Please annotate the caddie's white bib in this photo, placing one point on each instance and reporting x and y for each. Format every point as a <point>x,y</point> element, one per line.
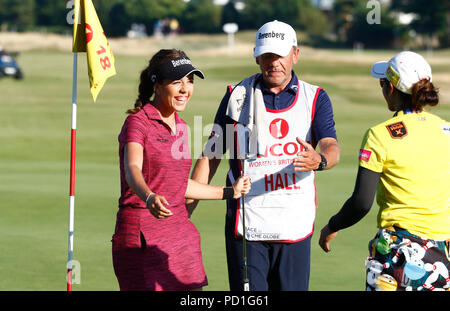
<point>281,205</point>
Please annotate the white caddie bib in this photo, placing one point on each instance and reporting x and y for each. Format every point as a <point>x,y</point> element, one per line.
<point>281,204</point>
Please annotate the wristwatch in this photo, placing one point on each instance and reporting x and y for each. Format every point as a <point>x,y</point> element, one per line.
<point>322,164</point>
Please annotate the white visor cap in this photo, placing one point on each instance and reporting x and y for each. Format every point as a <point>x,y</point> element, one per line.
<point>275,37</point>
<point>403,70</point>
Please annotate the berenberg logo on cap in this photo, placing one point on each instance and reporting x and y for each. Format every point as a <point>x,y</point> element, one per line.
<point>271,35</point>
<point>179,62</point>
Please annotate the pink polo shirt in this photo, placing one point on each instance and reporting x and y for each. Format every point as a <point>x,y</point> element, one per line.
<point>166,162</point>
<point>171,258</point>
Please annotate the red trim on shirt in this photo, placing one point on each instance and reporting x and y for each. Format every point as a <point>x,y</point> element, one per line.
<point>289,107</point>
<point>314,104</point>
<point>313,139</point>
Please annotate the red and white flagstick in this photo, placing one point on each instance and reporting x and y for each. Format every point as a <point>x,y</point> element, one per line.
<point>72,173</point>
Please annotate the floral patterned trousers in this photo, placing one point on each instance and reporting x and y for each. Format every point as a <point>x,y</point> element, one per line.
<point>401,261</point>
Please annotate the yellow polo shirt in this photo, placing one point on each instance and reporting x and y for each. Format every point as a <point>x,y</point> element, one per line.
<point>412,153</point>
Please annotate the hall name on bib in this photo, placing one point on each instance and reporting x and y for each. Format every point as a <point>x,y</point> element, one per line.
<point>280,181</point>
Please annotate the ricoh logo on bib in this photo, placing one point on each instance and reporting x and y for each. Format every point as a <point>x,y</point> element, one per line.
<point>279,129</point>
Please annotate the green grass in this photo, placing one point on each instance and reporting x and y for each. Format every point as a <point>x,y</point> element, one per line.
<point>35,125</point>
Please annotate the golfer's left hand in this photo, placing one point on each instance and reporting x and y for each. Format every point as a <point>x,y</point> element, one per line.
<point>326,235</point>
<point>308,159</point>
<point>242,186</point>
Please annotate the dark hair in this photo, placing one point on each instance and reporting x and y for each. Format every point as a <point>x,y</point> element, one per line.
<point>422,93</point>
<point>148,77</point>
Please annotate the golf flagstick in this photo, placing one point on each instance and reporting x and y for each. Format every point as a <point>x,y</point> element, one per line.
<point>72,173</point>
<point>89,37</point>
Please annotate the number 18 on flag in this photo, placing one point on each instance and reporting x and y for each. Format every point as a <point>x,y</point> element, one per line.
<point>88,36</point>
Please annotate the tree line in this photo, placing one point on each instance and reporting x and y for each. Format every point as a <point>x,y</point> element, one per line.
<point>347,22</point>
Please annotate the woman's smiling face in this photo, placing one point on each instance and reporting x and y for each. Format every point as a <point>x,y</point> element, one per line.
<point>173,95</point>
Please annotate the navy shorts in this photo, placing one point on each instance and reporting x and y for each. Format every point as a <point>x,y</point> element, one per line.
<point>271,266</point>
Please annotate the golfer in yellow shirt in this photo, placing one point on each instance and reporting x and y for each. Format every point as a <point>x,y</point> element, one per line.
<point>406,162</point>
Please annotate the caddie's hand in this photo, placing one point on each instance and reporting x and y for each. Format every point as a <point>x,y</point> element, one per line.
<point>155,205</point>
<point>242,186</point>
<point>308,159</point>
<point>326,235</point>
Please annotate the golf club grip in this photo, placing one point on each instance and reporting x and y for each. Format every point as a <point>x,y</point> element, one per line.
<point>246,286</point>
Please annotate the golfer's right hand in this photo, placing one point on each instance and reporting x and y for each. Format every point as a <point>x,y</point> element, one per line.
<point>156,205</point>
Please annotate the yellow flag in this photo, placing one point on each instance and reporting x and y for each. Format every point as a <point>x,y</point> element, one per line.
<point>88,36</point>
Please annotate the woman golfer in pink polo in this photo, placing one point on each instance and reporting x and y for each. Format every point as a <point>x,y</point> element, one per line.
<point>155,246</point>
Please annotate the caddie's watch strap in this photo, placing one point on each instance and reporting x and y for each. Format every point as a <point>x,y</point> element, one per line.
<point>322,164</point>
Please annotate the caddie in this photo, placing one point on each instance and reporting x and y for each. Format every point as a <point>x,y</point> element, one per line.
<point>276,122</point>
